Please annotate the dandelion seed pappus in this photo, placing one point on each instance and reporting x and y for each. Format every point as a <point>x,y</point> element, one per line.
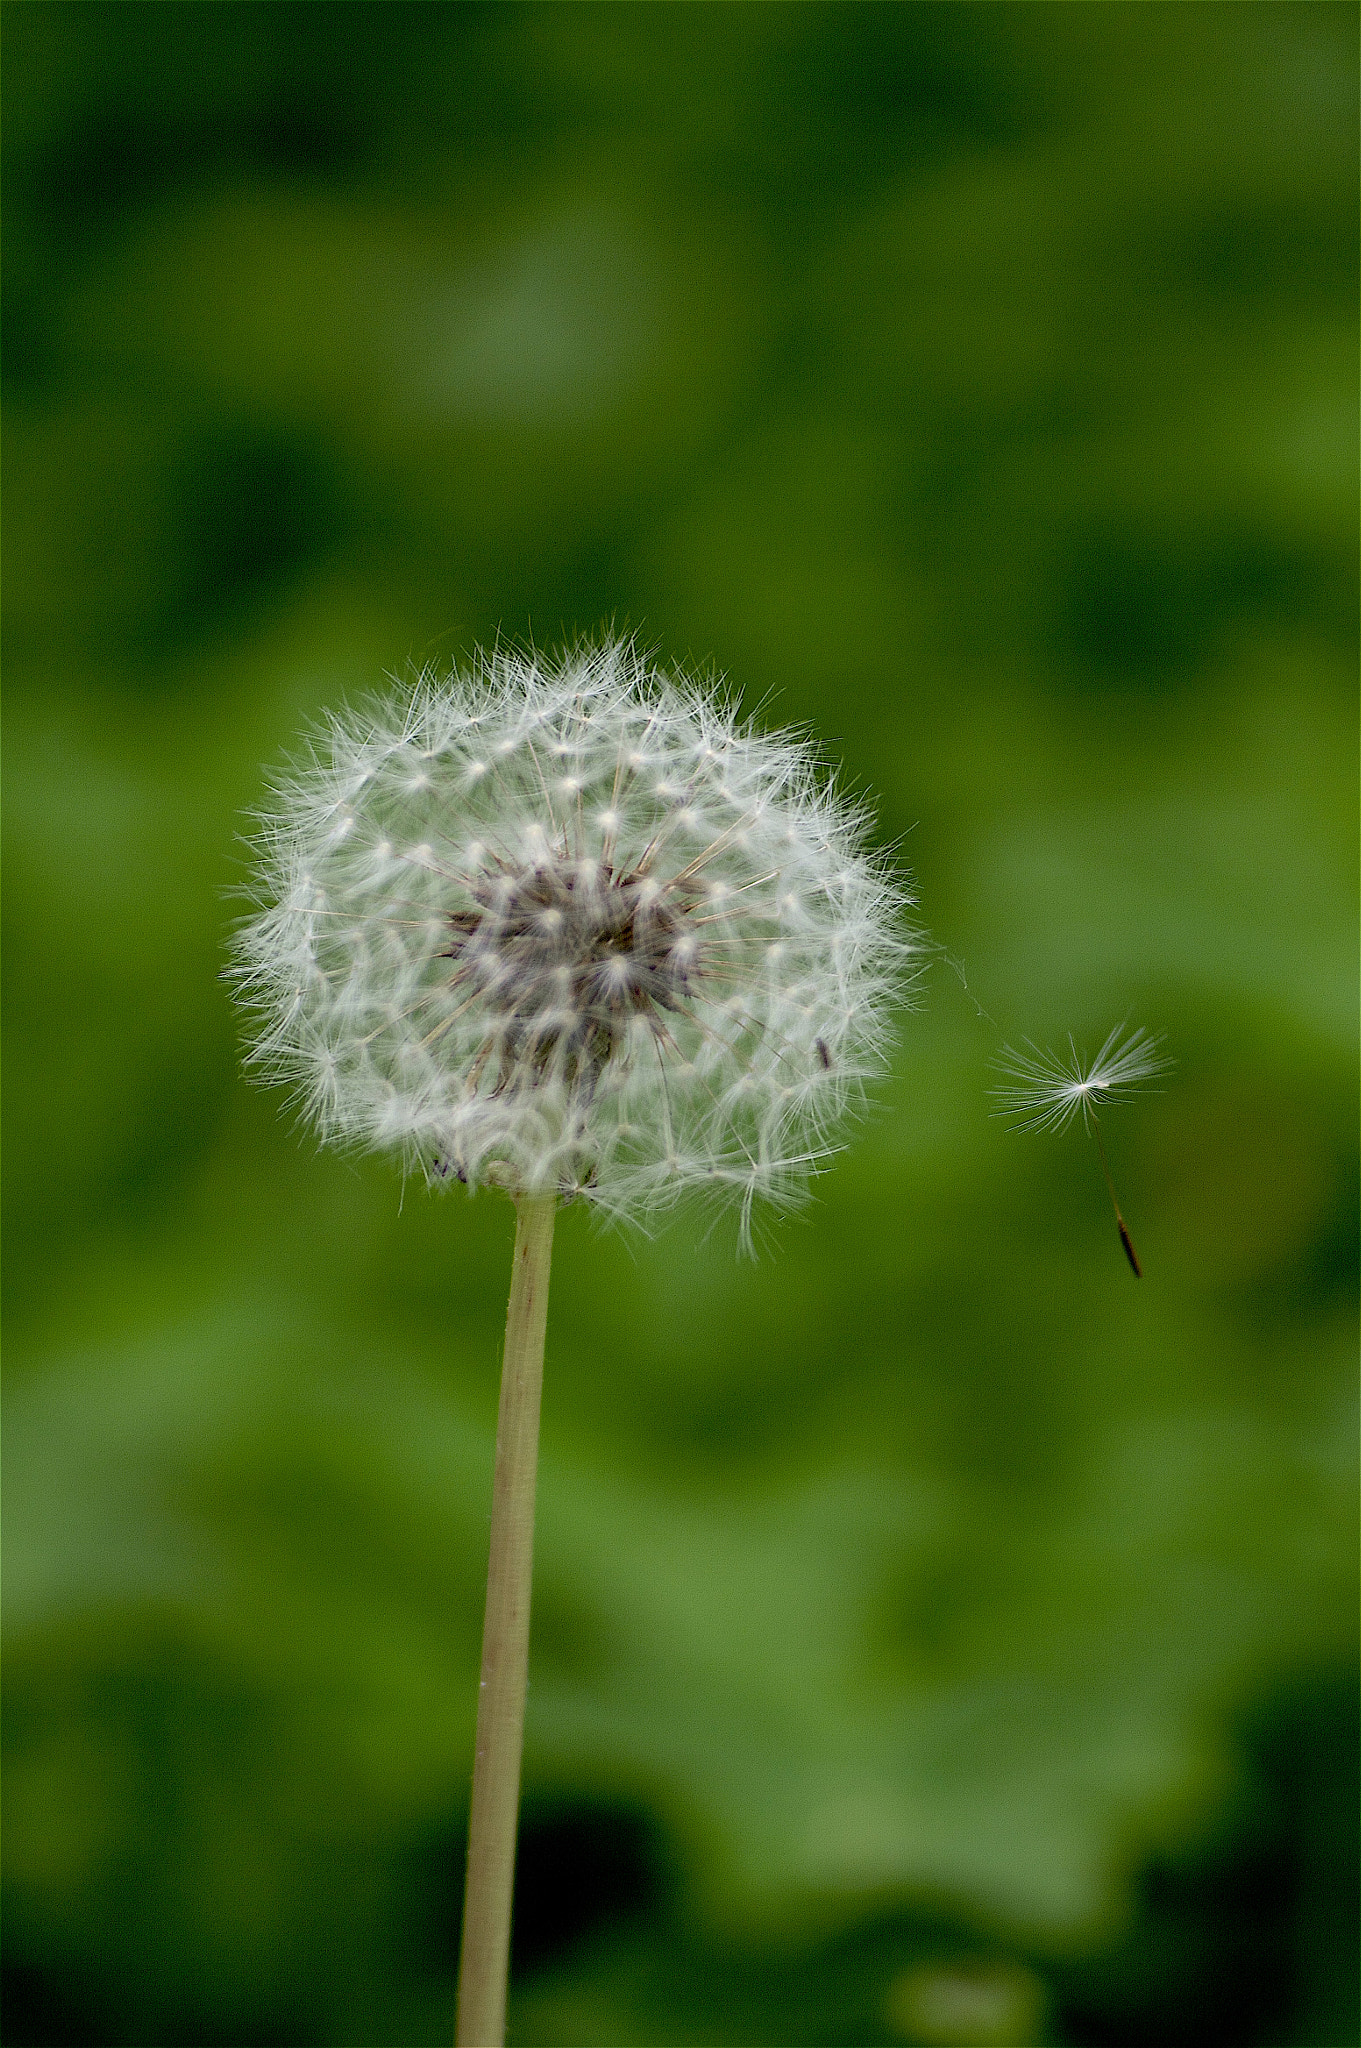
<point>1044,1091</point>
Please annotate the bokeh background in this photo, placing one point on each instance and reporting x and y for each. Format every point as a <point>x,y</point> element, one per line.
<point>939,1638</point>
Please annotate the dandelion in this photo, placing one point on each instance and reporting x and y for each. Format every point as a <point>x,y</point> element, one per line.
<point>569,929</point>
<point>1044,1091</point>
<point>572,931</point>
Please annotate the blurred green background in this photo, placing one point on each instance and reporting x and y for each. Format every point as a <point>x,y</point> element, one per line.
<point>938,1636</point>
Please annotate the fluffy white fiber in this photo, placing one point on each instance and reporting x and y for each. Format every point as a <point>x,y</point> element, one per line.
<point>1044,1090</point>
<point>568,926</point>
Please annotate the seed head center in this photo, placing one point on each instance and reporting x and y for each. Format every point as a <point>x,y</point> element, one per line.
<point>574,950</point>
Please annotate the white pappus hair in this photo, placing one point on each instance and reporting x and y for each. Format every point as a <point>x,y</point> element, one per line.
<point>1043,1091</point>
<point>567,926</point>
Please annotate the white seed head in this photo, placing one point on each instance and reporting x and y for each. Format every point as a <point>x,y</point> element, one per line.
<point>1044,1090</point>
<point>671,968</point>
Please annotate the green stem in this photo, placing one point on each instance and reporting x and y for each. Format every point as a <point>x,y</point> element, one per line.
<point>485,1958</point>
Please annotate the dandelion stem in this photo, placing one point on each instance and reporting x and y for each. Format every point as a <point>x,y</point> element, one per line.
<point>505,1640</point>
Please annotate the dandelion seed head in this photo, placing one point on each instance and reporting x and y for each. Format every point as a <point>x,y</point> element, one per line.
<point>613,983</point>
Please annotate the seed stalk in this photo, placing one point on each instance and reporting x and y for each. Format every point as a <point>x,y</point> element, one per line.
<point>485,1960</point>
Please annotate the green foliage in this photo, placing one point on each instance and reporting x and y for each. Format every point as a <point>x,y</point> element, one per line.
<point>928,1615</point>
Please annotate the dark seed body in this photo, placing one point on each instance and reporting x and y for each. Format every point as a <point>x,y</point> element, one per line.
<point>569,955</point>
